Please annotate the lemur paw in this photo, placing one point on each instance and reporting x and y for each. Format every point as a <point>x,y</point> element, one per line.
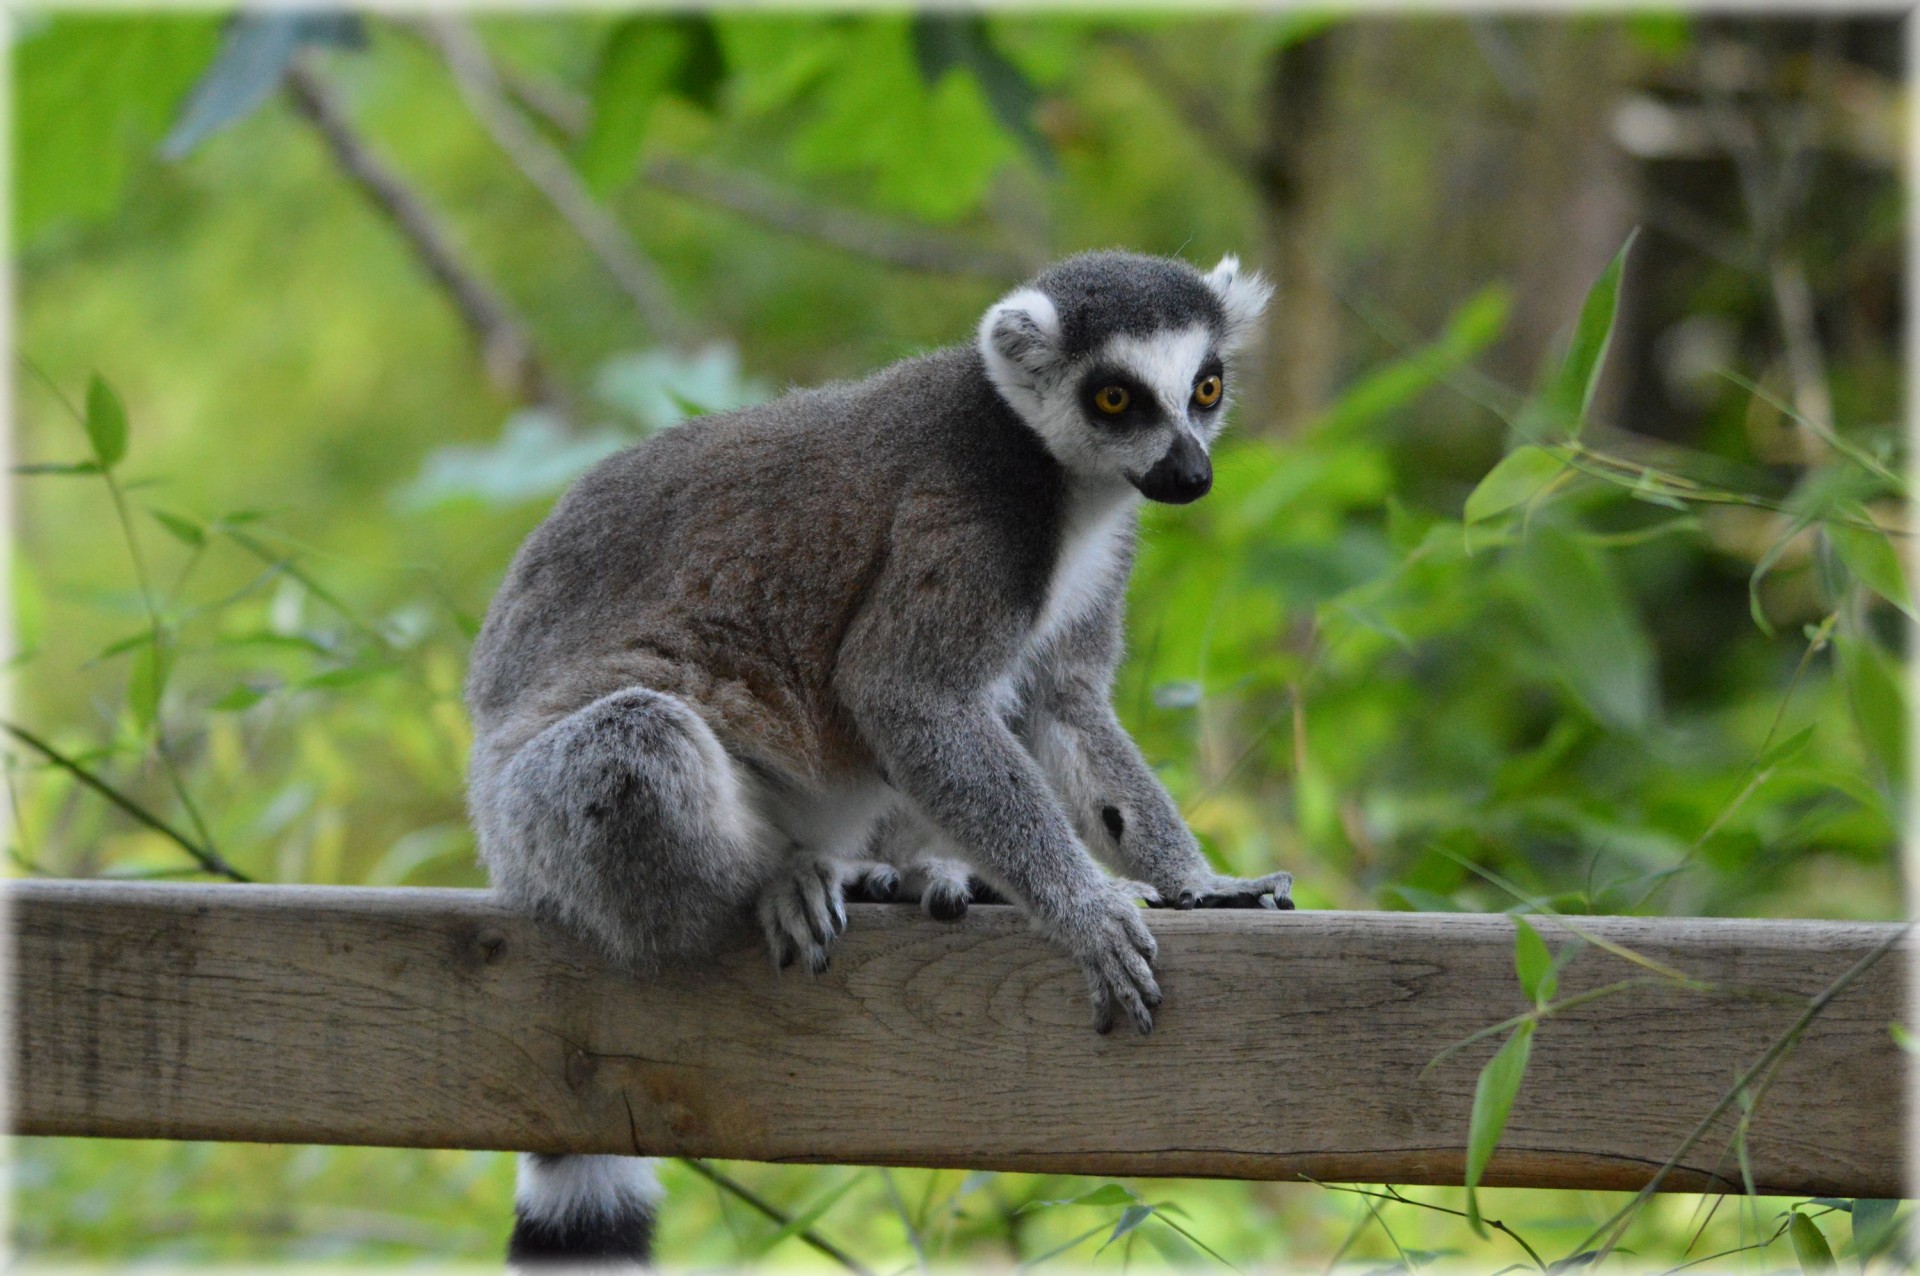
<point>875,884</point>
<point>1116,951</point>
<point>1274,891</point>
<point>803,910</point>
<point>946,898</point>
<point>945,889</point>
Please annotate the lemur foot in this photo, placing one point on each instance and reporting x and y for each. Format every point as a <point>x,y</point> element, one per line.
<point>1116,951</point>
<point>802,911</point>
<point>1275,890</point>
<point>875,884</point>
<point>944,888</point>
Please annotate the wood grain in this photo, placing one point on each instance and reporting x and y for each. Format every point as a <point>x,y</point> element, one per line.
<point>1289,1044</point>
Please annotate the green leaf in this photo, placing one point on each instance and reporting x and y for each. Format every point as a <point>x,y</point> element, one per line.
<point>1516,480</point>
<point>1493,1097</point>
<point>106,424</point>
<point>1873,1222</point>
<point>1172,1246</point>
<point>1130,1218</point>
<point>1877,695</point>
<point>1870,557</point>
<point>258,48</point>
<point>947,41</point>
<point>703,69</point>
<point>1785,750</point>
<point>184,529</point>
<point>639,62</point>
<point>1590,632</point>
<point>147,682</point>
<point>1809,1246</point>
<point>1533,963</point>
<point>92,92</point>
<point>1570,396</point>
<point>1472,328</point>
<point>241,697</point>
<point>1105,1194</point>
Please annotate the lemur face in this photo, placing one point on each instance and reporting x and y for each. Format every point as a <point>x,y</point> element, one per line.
<point>1121,364</point>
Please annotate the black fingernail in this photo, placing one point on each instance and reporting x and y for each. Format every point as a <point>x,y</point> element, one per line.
<point>1186,899</point>
<point>1282,902</point>
<point>786,958</point>
<point>817,963</point>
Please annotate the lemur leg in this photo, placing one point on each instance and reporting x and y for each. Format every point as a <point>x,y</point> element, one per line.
<point>626,822</point>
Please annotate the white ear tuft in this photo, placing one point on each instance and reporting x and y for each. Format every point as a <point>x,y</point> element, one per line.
<point>1243,296</point>
<point>1020,340</point>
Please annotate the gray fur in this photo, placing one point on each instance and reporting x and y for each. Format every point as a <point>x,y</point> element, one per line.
<point>732,651</point>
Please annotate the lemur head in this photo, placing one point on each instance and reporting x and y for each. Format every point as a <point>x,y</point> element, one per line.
<point>1120,363</point>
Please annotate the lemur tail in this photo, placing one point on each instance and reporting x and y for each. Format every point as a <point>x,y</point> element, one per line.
<point>596,1211</point>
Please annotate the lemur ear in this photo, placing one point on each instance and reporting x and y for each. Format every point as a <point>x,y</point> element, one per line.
<point>1020,340</point>
<point>1243,295</point>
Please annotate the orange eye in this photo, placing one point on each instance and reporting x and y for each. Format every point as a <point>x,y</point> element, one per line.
<point>1207,393</point>
<point>1112,400</point>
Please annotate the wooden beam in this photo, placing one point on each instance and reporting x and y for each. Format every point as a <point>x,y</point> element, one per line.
<point>1289,1044</point>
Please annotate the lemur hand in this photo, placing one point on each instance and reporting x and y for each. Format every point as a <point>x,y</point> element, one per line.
<point>1115,950</point>
<point>1215,890</point>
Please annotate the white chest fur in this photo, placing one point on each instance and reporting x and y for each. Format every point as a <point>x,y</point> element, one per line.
<point>1093,538</point>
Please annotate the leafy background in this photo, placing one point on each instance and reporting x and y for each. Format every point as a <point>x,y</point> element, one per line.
<point>1541,574</point>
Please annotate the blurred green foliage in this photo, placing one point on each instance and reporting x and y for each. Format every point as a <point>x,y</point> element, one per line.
<point>1445,645</point>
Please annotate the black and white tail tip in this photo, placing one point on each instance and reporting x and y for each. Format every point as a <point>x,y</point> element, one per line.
<point>591,1212</point>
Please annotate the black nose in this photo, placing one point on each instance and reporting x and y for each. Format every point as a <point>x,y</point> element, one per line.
<point>1184,474</point>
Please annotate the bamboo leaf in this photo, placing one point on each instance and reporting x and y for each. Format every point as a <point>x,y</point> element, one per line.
<point>1809,1246</point>
<point>106,423</point>
<point>184,529</point>
<point>1516,480</point>
<point>1105,1194</point>
<point>1533,963</point>
<point>148,681</point>
<point>1571,394</point>
<point>1493,1098</point>
<point>1130,1218</point>
<point>1870,557</point>
<point>1872,1227</point>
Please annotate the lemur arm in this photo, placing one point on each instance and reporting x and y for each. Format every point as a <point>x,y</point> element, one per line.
<point>915,676</point>
<point>1118,804</point>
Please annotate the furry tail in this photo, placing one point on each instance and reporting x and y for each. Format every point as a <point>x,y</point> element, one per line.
<point>591,1210</point>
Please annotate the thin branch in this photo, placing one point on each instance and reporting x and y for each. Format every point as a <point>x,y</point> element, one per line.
<point>730,1184</point>
<point>206,857</point>
<point>511,360</point>
<point>480,86</point>
<point>847,229</point>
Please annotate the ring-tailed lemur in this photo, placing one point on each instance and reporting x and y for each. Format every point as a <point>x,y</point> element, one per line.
<point>746,657</point>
